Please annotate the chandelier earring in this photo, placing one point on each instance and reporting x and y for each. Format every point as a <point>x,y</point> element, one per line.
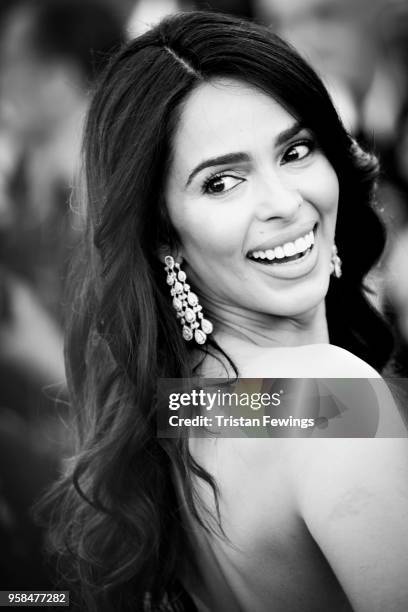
<point>335,263</point>
<point>186,304</point>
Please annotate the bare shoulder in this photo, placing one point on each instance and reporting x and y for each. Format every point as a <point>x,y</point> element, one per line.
<point>310,361</point>
<point>347,364</point>
<point>352,495</point>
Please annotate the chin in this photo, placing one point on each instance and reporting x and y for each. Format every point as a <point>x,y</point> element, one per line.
<point>303,302</point>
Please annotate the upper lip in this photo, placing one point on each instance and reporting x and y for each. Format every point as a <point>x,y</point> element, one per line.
<point>289,235</point>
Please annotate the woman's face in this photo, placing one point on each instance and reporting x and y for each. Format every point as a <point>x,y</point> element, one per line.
<point>248,192</point>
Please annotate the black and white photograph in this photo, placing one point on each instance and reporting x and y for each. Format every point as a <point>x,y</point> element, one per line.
<point>204,305</point>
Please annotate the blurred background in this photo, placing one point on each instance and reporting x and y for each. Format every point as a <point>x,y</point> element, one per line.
<point>51,51</point>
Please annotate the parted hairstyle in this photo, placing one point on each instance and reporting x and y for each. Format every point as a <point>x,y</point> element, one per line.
<point>118,530</point>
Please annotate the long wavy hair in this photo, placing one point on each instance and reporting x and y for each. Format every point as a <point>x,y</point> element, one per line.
<point>118,528</point>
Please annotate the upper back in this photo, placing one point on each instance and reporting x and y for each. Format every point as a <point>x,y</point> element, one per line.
<point>265,488</point>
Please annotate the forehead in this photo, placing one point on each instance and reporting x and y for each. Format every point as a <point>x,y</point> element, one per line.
<point>224,116</point>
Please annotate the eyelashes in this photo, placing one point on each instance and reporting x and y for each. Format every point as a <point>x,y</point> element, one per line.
<point>306,146</point>
<point>222,182</point>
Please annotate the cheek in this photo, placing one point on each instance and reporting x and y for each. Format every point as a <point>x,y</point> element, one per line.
<point>333,192</point>
<point>326,188</point>
<point>212,231</point>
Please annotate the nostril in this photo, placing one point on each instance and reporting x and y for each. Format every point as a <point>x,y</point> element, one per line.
<point>277,200</point>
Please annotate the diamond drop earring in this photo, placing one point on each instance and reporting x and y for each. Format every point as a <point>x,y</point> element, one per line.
<point>335,263</point>
<point>186,304</point>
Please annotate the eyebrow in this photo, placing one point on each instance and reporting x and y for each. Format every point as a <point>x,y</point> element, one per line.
<point>234,158</point>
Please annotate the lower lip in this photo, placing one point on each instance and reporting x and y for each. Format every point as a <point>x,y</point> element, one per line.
<point>292,269</point>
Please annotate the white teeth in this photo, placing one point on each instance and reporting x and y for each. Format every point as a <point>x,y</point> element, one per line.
<point>270,254</point>
<point>289,249</point>
<point>300,245</point>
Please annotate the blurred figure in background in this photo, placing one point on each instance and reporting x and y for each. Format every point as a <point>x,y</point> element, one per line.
<point>50,54</point>
<point>147,13</point>
<point>338,37</point>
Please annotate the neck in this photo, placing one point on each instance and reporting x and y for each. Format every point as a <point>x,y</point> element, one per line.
<point>268,330</point>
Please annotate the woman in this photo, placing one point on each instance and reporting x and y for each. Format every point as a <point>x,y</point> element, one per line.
<point>213,152</point>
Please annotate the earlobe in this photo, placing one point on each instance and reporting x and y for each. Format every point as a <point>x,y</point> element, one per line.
<point>164,251</point>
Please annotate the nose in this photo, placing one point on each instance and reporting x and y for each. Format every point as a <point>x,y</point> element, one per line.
<point>276,197</point>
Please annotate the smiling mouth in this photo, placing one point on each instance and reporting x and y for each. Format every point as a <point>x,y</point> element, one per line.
<point>288,252</point>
